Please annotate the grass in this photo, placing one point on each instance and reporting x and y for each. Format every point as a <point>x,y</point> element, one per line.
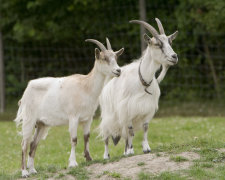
<point>178,158</point>
<point>79,172</point>
<point>203,108</point>
<point>173,135</point>
<point>60,176</point>
<point>162,176</point>
<point>112,174</point>
<point>207,165</point>
<point>141,164</point>
<point>197,172</point>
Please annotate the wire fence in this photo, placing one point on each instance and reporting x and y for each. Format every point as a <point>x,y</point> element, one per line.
<point>194,86</point>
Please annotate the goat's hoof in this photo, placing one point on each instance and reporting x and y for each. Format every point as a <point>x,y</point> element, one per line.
<point>129,152</point>
<point>25,174</point>
<point>146,148</point>
<point>32,171</point>
<point>147,151</point>
<point>88,158</point>
<point>106,157</point>
<point>73,164</point>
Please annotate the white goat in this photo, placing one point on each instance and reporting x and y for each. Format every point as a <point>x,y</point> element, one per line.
<point>129,102</point>
<point>69,100</point>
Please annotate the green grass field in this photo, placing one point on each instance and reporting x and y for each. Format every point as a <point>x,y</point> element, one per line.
<point>174,134</point>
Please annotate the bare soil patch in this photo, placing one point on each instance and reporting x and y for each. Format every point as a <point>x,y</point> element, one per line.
<point>222,150</point>
<point>132,166</point>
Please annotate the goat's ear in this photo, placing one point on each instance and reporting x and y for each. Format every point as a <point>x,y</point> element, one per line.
<point>173,36</point>
<point>147,39</point>
<point>118,53</point>
<point>97,53</point>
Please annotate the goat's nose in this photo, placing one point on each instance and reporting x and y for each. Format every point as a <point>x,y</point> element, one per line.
<point>118,70</point>
<point>174,56</point>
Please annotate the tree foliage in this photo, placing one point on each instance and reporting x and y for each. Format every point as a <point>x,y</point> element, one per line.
<point>200,43</point>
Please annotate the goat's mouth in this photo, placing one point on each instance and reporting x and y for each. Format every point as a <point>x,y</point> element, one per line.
<point>173,62</point>
<point>116,73</point>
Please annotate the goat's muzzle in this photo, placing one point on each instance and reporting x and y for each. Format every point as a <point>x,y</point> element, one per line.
<point>174,59</point>
<point>117,72</point>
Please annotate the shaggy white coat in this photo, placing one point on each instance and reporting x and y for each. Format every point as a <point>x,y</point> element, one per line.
<point>123,101</point>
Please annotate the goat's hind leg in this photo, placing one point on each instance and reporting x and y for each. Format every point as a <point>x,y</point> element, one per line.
<point>27,130</point>
<point>24,154</point>
<point>39,132</point>
<point>129,146</point>
<point>145,145</point>
<point>86,128</point>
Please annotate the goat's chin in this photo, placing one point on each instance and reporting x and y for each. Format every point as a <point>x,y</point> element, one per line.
<point>115,74</point>
<point>171,63</point>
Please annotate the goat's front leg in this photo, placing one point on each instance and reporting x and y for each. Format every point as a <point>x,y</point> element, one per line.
<point>73,125</point>
<point>129,146</point>
<point>106,153</point>
<point>145,145</point>
<point>87,127</point>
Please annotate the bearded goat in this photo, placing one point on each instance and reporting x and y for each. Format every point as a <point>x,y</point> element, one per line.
<point>68,100</point>
<point>129,102</point>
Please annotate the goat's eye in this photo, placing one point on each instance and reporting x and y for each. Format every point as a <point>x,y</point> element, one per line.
<point>160,45</point>
<point>106,59</point>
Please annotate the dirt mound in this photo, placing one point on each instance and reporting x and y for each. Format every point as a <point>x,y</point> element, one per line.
<point>132,166</point>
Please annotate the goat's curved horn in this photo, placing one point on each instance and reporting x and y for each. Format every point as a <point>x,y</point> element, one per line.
<point>160,26</point>
<point>99,44</point>
<point>108,44</point>
<point>151,29</point>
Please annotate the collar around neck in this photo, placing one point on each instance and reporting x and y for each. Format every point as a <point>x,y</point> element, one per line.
<point>143,82</point>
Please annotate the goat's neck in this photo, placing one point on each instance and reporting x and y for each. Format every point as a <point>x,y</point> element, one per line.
<point>96,81</point>
<point>148,66</point>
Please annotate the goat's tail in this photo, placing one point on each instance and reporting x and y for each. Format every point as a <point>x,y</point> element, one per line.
<point>19,119</point>
<point>25,119</point>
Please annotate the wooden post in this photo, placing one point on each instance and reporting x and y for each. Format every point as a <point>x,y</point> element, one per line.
<point>212,67</point>
<point>2,77</point>
<point>142,11</point>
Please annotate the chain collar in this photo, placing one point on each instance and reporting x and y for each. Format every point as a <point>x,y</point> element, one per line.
<point>143,82</point>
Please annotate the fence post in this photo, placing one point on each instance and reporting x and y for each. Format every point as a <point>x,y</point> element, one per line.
<point>142,11</point>
<point>2,77</point>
